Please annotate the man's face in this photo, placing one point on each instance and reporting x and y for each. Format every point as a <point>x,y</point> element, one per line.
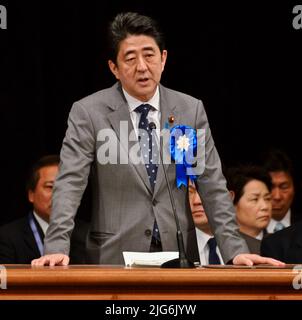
<point>41,196</point>
<point>199,217</point>
<point>139,66</point>
<point>282,193</point>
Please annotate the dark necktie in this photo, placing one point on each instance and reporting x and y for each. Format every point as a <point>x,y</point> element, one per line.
<point>213,256</point>
<point>150,153</point>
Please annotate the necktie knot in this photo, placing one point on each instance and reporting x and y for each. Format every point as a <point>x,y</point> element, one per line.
<point>143,109</point>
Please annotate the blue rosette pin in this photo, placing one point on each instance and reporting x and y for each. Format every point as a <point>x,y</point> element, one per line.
<point>183,149</point>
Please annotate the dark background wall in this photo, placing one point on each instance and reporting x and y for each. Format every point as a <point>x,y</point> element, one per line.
<point>243,60</point>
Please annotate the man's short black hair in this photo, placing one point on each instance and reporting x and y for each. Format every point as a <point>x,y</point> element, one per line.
<point>132,23</point>
<point>275,160</point>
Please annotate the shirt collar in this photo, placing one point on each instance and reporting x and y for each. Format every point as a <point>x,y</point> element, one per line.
<point>285,221</point>
<point>133,103</point>
<point>203,238</point>
<point>260,236</point>
<point>43,224</point>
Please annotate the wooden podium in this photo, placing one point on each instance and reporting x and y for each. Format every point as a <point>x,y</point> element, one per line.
<point>92,282</point>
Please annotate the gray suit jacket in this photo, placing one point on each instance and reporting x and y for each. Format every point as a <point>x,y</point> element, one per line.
<point>252,243</point>
<point>124,207</point>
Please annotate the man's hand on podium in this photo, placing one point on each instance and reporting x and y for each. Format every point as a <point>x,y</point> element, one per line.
<point>248,259</point>
<point>56,259</point>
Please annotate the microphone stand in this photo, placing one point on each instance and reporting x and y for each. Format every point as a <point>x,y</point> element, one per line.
<point>182,262</point>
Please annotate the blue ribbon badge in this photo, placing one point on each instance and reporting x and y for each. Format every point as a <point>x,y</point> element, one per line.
<point>183,149</point>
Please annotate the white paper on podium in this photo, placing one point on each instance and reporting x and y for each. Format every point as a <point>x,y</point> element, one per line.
<point>152,259</point>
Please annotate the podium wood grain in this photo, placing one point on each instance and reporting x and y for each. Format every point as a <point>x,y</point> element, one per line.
<point>119,283</point>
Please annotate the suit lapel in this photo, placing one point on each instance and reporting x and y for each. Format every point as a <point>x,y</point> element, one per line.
<point>167,110</point>
<point>121,113</point>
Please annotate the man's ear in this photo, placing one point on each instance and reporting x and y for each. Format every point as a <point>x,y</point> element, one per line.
<point>232,195</point>
<point>30,196</point>
<point>164,59</point>
<point>113,68</point>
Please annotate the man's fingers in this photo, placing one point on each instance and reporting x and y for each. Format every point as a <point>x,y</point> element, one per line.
<point>273,262</point>
<point>65,260</point>
<point>51,260</point>
<point>265,260</point>
<point>59,260</point>
<point>242,259</point>
<point>251,259</point>
<point>38,262</point>
<point>248,262</point>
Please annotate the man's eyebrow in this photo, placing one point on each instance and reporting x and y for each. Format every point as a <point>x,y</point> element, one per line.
<point>147,48</point>
<point>129,52</point>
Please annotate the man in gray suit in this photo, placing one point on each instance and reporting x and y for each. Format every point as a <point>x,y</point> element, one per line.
<point>131,206</point>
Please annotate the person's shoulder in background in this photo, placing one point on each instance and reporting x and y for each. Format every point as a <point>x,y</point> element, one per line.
<point>284,245</point>
<point>17,244</point>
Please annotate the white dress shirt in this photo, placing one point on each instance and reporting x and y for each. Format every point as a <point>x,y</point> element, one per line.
<point>203,248</point>
<point>285,221</point>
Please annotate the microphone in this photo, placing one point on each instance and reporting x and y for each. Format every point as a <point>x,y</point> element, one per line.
<point>182,262</point>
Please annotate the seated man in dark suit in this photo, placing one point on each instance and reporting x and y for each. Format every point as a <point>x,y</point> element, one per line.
<point>279,166</point>
<point>209,252</point>
<point>285,244</point>
<point>22,240</point>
